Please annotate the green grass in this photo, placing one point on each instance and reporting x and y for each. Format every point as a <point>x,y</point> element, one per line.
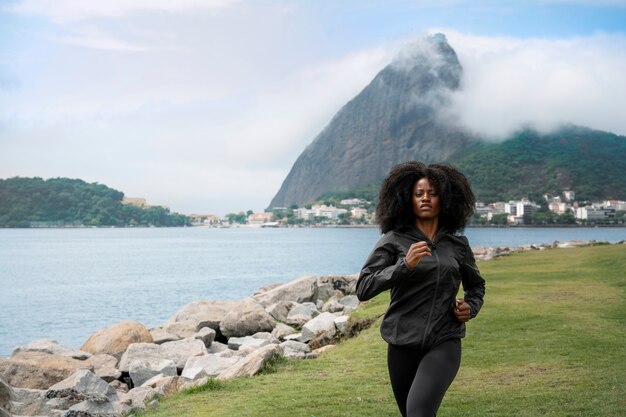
<point>550,341</point>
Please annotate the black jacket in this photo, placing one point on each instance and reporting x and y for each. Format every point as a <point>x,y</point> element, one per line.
<point>423,299</point>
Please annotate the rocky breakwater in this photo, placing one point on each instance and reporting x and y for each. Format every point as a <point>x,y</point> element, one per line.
<point>486,253</point>
<point>127,366</point>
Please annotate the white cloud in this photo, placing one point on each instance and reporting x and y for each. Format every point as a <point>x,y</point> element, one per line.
<point>511,82</point>
<point>74,10</point>
<point>93,37</point>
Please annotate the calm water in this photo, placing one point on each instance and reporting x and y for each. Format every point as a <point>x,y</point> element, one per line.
<point>66,284</point>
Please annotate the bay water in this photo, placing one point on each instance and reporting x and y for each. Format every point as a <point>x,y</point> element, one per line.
<point>66,284</point>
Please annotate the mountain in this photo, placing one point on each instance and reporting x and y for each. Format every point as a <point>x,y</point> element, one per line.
<point>398,117</point>
<point>392,120</point>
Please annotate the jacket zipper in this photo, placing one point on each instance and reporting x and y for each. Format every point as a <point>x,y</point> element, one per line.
<point>432,304</point>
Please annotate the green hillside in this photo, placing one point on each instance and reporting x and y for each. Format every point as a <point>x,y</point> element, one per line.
<point>529,164</point>
<point>592,163</point>
<point>549,341</point>
<point>34,202</point>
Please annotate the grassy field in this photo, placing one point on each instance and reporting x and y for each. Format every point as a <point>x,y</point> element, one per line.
<point>550,341</point>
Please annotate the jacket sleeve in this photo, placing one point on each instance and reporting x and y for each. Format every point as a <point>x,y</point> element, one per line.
<point>473,283</point>
<point>381,271</point>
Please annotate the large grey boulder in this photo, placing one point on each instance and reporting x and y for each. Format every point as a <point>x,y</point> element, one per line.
<point>82,385</point>
<point>32,402</point>
<point>182,329</point>
<point>280,310</point>
<point>141,370</point>
<point>301,313</point>
<point>206,335</point>
<point>115,339</point>
<point>140,351</point>
<point>204,313</point>
<point>247,318</point>
<point>335,285</point>
<point>104,366</point>
<point>163,385</point>
<point>160,336</point>
<point>295,350</point>
<point>110,408</point>
<point>332,305</point>
<point>235,343</point>
<point>300,291</point>
<point>351,302</point>
<point>281,330</point>
<point>177,351</point>
<point>322,324</point>
<point>52,347</point>
<point>207,366</point>
<point>38,370</point>
<point>251,364</point>
<point>181,350</point>
<point>342,323</point>
<point>140,395</point>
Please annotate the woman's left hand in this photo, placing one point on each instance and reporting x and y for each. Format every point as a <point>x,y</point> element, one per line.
<point>462,310</point>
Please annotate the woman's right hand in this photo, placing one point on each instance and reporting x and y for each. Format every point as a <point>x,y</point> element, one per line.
<point>415,253</point>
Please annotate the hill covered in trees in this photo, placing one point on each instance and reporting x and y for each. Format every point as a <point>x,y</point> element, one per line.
<point>35,202</point>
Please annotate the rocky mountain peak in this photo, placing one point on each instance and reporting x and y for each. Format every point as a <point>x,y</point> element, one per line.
<point>394,119</point>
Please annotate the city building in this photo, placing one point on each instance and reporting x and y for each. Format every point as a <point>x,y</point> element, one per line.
<point>260,218</point>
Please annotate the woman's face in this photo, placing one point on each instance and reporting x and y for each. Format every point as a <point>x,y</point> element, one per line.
<point>426,201</point>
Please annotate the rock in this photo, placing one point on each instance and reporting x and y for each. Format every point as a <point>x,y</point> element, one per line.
<point>38,370</point>
<point>280,310</point>
<point>140,395</point>
<point>160,336</point>
<point>140,351</point>
<point>164,385</point>
<point>301,313</point>
<point>187,384</point>
<point>235,343</point>
<point>119,386</point>
<point>251,364</point>
<point>82,385</point>
<point>98,409</point>
<point>326,291</point>
<point>341,285</point>
<point>206,335</point>
<point>206,366</point>
<point>267,287</point>
<point>332,306</point>
<point>281,330</point>
<point>322,349</point>
<point>217,347</point>
<point>181,350</point>
<point>205,313</point>
<point>182,329</point>
<point>293,336</point>
<point>351,302</point>
<point>30,402</point>
<point>295,350</point>
<point>300,291</point>
<point>177,351</point>
<point>117,338</point>
<point>247,318</point>
<point>322,324</point>
<point>141,370</point>
<point>104,367</point>
<point>51,347</point>
<point>342,323</point>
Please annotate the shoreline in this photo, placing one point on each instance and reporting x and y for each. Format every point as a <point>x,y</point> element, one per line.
<point>331,226</point>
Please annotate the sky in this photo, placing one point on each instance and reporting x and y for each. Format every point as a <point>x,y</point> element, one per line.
<point>203,106</point>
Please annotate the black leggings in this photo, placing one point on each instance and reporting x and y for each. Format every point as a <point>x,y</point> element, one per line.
<point>420,378</point>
